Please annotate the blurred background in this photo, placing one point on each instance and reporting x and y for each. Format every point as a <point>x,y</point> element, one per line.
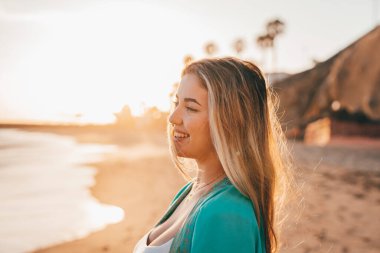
<point>85,91</point>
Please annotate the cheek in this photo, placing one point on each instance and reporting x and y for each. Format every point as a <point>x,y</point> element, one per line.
<point>200,131</point>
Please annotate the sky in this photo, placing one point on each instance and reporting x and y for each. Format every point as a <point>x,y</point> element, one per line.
<point>64,58</point>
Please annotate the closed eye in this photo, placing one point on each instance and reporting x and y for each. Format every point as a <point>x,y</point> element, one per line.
<point>191,109</point>
<point>187,108</point>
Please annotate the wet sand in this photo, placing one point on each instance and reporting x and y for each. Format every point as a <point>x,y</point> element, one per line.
<point>338,212</point>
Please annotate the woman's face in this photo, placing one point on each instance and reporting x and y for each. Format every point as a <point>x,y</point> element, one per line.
<point>190,119</point>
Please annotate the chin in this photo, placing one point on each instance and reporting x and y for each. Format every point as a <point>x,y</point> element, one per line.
<point>183,154</point>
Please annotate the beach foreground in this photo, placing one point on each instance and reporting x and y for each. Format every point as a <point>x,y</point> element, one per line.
<point>338,211</point>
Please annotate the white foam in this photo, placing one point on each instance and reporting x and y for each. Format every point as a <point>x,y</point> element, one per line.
<point>44,195</point>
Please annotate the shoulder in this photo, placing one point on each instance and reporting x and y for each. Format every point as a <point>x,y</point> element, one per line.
<point>230,207</point>
<point>226,222</point>
<point>229,201</point>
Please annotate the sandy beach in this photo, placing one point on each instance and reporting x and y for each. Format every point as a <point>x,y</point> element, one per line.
<point>338,211</point>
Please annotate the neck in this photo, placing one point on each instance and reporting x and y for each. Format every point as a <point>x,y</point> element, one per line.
<point>209,170</point>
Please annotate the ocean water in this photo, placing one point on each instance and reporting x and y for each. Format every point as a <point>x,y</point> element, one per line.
<point>44,190</point>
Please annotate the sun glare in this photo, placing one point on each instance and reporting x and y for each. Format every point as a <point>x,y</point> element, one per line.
<point>87,65</point>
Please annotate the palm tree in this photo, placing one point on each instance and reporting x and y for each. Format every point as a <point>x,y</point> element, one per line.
<point>210,48</point>
<point>264,42</point>
<point>273,29</point>
<point>239,46</point>
<point>187,59</point>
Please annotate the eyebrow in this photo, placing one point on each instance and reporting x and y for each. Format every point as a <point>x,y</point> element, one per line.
<point>190,100</point>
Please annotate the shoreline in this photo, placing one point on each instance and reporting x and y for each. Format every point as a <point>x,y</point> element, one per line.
<point>339,204</point>
<point>117,180</point>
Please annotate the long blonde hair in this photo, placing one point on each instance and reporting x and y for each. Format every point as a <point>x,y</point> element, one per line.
<point>246,134</point>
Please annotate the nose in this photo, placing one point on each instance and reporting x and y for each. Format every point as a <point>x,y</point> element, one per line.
<point>175,118</point>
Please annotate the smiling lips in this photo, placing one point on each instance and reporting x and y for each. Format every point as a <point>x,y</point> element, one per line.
<point>180,136</point>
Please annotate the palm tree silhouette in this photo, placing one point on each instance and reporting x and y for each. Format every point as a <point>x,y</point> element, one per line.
<point>264,42</point>
<point>210,48</point>
<point>187,59</point>
<point>239,46</point>
<point>273,29</point>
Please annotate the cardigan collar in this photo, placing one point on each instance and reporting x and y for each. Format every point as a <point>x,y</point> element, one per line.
<point>218,185</point>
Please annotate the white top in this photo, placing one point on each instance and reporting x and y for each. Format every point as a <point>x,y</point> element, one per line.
<point>141,246</point>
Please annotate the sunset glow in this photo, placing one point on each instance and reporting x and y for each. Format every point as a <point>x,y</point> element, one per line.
<point>84,62</point>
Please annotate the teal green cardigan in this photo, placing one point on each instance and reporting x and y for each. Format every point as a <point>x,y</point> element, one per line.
<point>221,221</point>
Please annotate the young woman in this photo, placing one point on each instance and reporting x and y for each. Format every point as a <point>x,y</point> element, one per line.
<point>224,120</point>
